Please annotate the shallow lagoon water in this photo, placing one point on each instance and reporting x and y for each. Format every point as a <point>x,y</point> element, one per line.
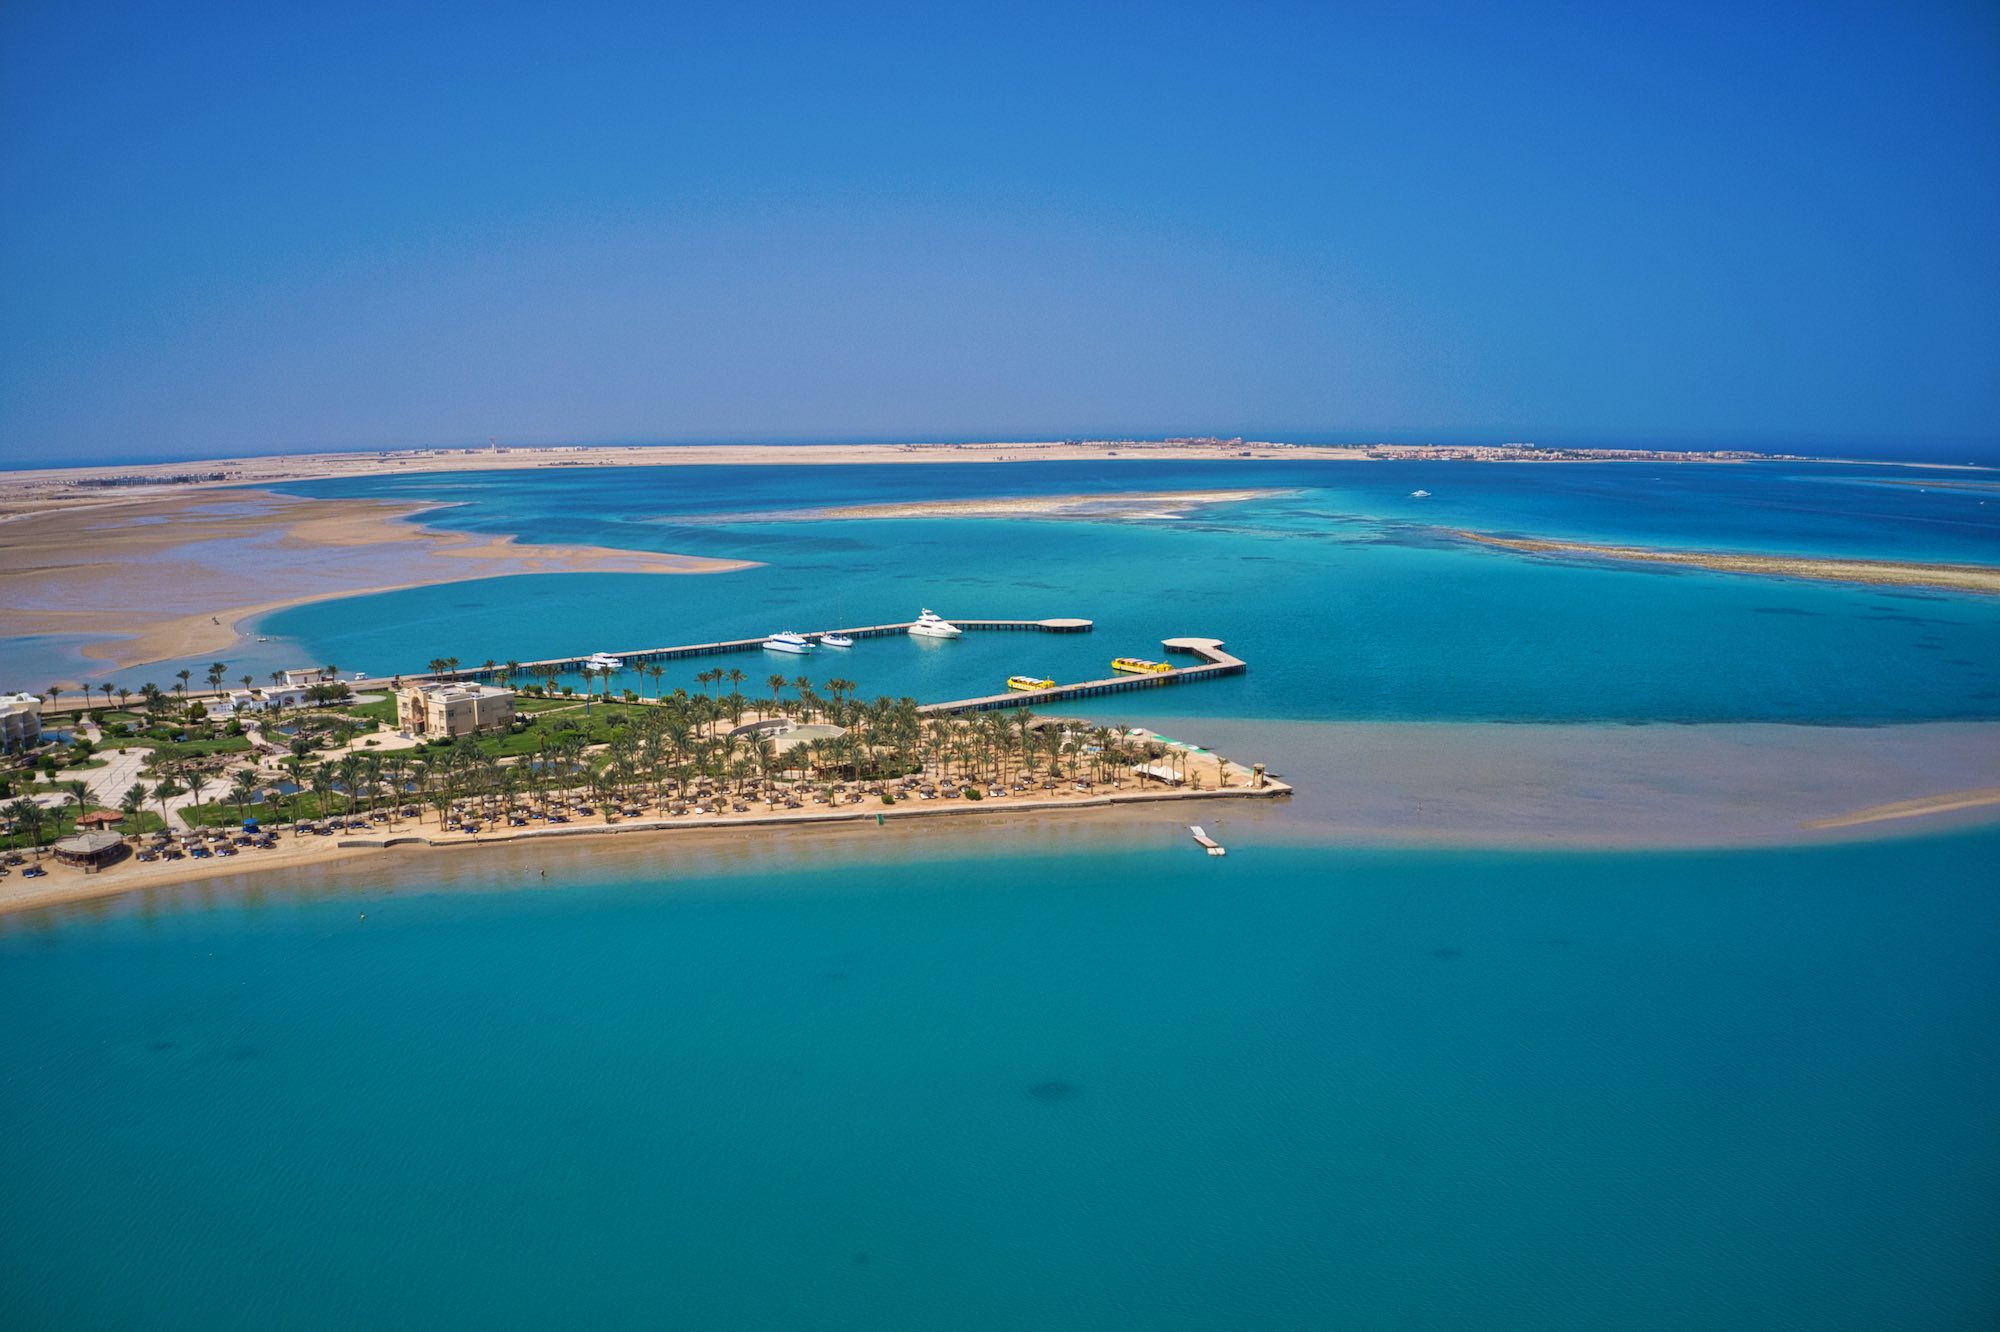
<point>1342,612</point>
<point>1296,1088</point>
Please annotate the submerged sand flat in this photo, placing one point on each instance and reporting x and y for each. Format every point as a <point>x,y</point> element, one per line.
<point>1478,785</point>
<point>1876,573</point>
<point>163,577</point>
<point>1125,504</point>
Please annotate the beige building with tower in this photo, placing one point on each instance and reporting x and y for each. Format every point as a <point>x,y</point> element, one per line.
<point>20,721</point>
<point>449,710</point>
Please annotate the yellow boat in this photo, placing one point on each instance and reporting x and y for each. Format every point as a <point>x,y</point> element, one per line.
<point>1138,666</point>
<point>1026,683</point>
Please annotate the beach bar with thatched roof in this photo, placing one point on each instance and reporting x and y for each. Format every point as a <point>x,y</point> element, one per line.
<point>92,850</point>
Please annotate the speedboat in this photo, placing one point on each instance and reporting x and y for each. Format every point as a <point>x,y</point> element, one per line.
<point>1026,683</point>
<point>603,661</point>
<point>835,640</point>
<point>1139,666</point>
<point>788,641</point>
<point>932,625</point>
<point>1420,494</point>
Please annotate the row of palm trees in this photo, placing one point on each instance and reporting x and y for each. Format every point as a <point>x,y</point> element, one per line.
<point>680,742</point>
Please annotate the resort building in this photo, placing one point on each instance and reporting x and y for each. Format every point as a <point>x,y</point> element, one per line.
<point>20,721</point>
<point>238,702</point>
<point>310,675</point>
<point>439,711</point>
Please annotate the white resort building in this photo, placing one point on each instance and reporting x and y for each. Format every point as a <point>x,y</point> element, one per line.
<point>20,721</point>
<point>449,710</point>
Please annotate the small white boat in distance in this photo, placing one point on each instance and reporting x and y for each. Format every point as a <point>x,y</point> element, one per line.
<point>1201,837</point>
<point>1420,494</point>
<point>835,640</point>
<point>603,661</point>
<point>788,641</point>
<point>932,625</point>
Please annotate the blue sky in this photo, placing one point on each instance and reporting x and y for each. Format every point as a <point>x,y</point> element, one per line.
<point>234,228</point>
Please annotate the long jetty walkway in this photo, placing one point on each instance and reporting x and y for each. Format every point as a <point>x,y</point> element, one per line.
<point>1215,663</point>
<point>1212,663</point>
<point>640,656</point>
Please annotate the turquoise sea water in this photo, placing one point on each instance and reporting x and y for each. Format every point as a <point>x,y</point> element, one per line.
<point>1128,1087</point>
<point>1093,1080</point>
<point>1342,593</point>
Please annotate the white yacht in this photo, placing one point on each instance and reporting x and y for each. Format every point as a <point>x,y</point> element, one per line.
<point>788,641</point>
<point>603,661</point>
<point>932,625</point>
<point>1420,494</point>
<point>835,640</point>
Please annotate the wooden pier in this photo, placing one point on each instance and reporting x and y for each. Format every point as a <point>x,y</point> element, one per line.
<point>1215,663</point>
<point>641,656</point>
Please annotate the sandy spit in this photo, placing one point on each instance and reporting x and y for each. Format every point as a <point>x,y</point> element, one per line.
<point>1877,573</point>
<point>154,578</point>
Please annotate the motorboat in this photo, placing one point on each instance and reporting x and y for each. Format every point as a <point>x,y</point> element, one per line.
<point>1027,683</point>
<point>835,640</point>
<point>603,661</point>
<point>788,641</point>
<point>932,625</point>
<point>1420,494</point>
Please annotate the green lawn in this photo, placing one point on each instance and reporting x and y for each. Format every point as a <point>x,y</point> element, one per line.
<point>169,751</point>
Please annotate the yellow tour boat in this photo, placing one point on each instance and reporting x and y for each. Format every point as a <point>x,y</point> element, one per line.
<point>1138,666</point>
<point>1028,682</point>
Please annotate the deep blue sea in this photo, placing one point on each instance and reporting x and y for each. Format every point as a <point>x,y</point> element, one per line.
<point>1095,1081</point>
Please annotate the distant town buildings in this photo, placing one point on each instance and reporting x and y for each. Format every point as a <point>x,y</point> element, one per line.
<point>449,710</point>
<point>20,721</point>
<point>310,675</point>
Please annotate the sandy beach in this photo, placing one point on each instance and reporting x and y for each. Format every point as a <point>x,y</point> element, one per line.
<point>1876,573</point>
<point>164,577</point>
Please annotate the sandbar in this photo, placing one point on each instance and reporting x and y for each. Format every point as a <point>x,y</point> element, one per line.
<point>1875,573</point>
<point>1128,504</point>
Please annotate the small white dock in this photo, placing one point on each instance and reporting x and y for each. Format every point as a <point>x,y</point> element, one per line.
<point>1202,838</point>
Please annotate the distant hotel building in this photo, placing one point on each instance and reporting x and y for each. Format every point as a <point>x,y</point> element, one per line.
<point>20,721</point>
<point>439,711</point>
<point>311,675</point>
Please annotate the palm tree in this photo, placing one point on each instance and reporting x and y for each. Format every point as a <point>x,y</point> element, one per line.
<point>163,791</point>
<point>196,781</point>
<point>26,813</point>
<point>183,676</point>
<point>123,696</point>
<point>216,671</point>
<point>247,679</point>
<point>134,800</point>
<point>243,790</point>
<point>53,692</point>
<point>777,684</point>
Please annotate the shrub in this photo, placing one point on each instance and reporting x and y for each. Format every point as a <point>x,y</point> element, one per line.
<point>974,793</point>
<point>888,798</point>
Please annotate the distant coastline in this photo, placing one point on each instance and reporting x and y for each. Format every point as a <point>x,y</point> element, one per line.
<point>27,490</point>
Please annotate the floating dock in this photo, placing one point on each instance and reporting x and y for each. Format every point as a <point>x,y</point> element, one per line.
<point>1202,838</point>
<point>1214,664</point>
